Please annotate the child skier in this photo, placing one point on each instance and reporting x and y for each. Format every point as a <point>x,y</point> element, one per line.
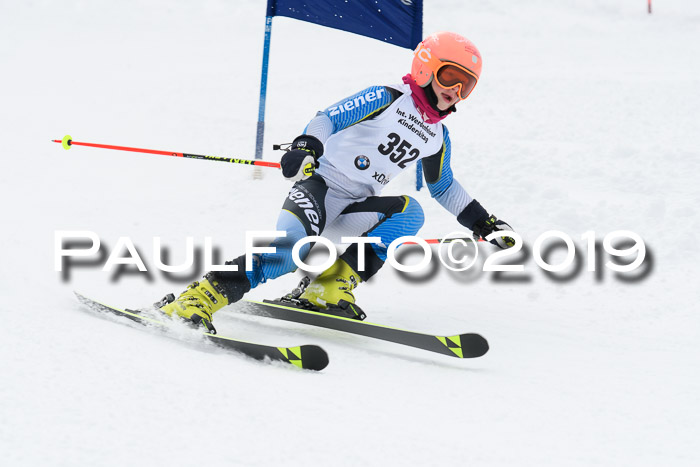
<point>341,162</point>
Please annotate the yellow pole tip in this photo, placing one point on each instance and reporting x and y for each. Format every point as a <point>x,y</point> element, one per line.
<point>66,142</point>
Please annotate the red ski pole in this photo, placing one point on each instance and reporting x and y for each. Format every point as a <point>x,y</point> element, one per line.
<point>67,142</point>
<point>444,240</point>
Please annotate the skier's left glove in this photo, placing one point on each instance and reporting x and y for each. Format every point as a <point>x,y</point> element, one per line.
<point>301,160</point>
<point>486,227</point>
<point>477,219</point>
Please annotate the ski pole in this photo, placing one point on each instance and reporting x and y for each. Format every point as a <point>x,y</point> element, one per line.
<point>67,142</point>
<point>443,240</point>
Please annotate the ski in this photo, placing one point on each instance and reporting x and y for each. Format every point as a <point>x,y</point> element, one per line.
<point>310,357</point>
<point>467,345</point>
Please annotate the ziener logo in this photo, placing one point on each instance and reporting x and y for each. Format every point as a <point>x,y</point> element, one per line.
<point>358,101</point>
<point>310,210</point>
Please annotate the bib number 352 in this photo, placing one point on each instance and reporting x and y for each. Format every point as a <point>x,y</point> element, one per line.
<point>397,150</point>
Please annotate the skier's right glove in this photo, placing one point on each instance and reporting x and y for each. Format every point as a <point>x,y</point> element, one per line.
<point>301,160</point>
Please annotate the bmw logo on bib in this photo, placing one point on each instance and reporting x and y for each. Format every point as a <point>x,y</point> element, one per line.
<point>362,162</point>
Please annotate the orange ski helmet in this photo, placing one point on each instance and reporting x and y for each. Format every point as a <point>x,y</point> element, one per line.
<point>450,59</point>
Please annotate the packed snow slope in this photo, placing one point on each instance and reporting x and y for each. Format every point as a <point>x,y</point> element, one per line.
<point>585,119</point>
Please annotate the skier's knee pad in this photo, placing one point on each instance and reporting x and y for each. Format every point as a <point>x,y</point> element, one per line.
<point>405,217</point>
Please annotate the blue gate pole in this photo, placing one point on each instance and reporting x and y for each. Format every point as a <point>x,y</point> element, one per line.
<point>263,90</point>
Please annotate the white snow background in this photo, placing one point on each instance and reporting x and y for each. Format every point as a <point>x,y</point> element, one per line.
<point>585,118</point>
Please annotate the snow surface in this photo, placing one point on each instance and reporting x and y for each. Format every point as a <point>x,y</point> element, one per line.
<point>585,119</point>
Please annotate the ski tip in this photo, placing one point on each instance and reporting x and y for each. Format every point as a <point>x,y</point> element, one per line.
<point>79,296</point>
<point>84,300</point>
<point>66,142</point>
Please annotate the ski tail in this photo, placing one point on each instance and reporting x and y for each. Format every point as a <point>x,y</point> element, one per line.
<point>467,345</point>
<point>308,357</point>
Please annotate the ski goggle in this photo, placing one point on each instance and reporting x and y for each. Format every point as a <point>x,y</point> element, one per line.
<point>449,75</point>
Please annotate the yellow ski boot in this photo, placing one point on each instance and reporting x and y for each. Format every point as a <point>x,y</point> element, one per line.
<point>331,292</point>
<point>198,303</point>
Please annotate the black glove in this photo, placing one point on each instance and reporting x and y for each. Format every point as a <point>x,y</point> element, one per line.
<point>486,227</point>
<point>477,219</point>
<point>301,160</point>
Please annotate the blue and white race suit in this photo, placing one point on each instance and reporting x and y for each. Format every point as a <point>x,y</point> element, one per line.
<point>369,138</point>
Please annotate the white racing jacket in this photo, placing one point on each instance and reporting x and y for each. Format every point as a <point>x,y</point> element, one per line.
<point>370,137</point>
